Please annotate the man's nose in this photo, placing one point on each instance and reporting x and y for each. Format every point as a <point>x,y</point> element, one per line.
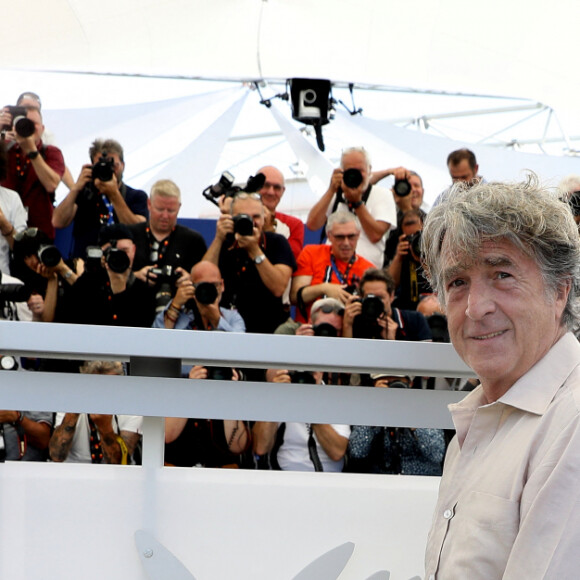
<point>479,302</point>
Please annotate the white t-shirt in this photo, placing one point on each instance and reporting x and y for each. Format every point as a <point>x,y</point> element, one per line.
<point>293,454</point>
<point>12,208</point>
<point>80,451</point>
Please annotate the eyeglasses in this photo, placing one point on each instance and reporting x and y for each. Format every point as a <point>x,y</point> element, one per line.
<point>28,233</point>
<point>329,308</point>
<point>343,237</point>
<point>275,186</point>
<point>244,195</point>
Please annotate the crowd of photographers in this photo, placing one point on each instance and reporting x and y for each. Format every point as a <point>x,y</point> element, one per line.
<point>132,264</point>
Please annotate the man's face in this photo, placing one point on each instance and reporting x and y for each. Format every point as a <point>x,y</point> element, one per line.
<point>273,187</point>
<point>379,289</point>
<point>462,172</point>
<point>343,239</point>
<point>331,318</point>
<point>163,213</point>
<point>416,191</point>
<point>356,160</point>
<point>251,207</point>
<point>501,319</point>
<point>118,165</point>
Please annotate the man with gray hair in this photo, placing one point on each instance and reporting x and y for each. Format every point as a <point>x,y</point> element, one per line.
<point>505,262</point>
<point>329,270</point>
<point>350,190</point>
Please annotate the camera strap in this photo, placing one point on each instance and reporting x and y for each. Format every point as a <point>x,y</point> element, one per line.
<point>313,451</point>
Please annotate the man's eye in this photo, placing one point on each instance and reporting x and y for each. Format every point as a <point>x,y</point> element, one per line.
<point>455,283</point>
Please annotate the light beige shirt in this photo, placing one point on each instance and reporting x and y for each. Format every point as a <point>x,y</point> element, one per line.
<point>509,500</point>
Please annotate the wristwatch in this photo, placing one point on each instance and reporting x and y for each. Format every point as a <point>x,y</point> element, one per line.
<point>259,259</point>
<point>33,155</point>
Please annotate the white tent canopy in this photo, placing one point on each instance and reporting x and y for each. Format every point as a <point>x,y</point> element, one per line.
<point>486,49</point>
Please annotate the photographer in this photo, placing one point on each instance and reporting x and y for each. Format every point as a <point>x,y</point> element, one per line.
<point>34,169</point>
<point>107,293</point>
<point>376,293</point>
<point>329,270</point>
<point>350,190</point>
<point>256,265</point>
<point>405,268</point>
<point>100,197</point>
<point>162,242</point>
<point>395,450</point>
<point>195,305</point>
<point>299,446</point>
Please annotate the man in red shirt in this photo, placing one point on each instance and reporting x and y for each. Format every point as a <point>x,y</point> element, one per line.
<point>34,170</point>
<point>271,193</point>
<point>329,270</point>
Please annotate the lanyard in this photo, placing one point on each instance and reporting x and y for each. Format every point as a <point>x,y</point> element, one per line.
<point>342,279</point>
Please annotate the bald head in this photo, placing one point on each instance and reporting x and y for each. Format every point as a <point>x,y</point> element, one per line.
<point>274,187</point>
<point>205,271</point>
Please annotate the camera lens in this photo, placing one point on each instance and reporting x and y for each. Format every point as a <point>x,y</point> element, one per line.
<point>49,256</point>
<point>243,225</point>
<point>352,178</point>
<point>206,293</point>
<point>103,169</point>
<point>117,260</point>
<point>372,307</point>
<point>324,329</point>
<point>24,126</point>
<point>402,187</point>
<point>302,378</point>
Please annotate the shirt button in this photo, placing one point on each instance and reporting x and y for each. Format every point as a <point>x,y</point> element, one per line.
<point>447,514</point>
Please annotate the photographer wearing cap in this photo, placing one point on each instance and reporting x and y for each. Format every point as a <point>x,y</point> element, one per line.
<point>329,270</point>
<point>350,190</point>
<point>161,242</point>
<point>256,265</point>
<point>34,169</point>
<point>108,293</point>
<point>100,197</point>
<point>405,267</point>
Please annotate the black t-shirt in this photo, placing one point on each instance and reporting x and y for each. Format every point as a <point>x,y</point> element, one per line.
<point>93,302</point>
<point>183,247</point>
<point>244,289</point>
<point>92,215</point>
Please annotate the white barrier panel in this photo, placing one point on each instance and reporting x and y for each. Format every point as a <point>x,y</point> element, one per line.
<point>79,521</point>
<point>68,522</point>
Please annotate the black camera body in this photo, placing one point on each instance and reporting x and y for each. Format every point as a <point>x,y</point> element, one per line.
<point>219,373</point>
<point>103,169</point>
<point>166,278</point>
<point>415,246</point>
<point>20,122</point>
<point>225,186</point>
<point>365,325</point>
<point>302,377</point>
<point>324,329</point>
<point>352,178</point>
<point>402,187</point>
<point>243,224</point>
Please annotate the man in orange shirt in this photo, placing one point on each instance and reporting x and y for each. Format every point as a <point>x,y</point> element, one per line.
<point>329,270</point>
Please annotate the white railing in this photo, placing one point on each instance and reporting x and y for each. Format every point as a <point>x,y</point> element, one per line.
<point>61,520</point>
